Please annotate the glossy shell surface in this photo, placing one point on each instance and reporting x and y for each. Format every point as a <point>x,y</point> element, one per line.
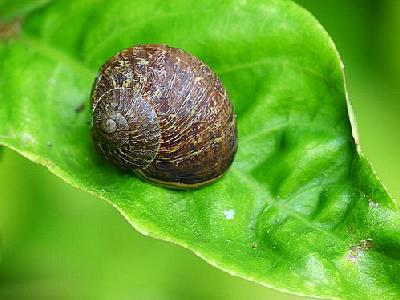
<point>164,114</point>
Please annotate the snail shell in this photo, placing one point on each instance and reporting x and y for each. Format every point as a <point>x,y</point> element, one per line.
<point>164,114</point>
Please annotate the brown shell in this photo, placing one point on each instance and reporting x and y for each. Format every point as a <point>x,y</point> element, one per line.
<point>163,113</point>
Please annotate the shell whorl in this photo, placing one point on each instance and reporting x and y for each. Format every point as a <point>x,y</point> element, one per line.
<point>164,114</point>
<point>125,128</point>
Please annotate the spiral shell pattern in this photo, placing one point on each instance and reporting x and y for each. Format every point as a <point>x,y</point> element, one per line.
<point>164,114</point>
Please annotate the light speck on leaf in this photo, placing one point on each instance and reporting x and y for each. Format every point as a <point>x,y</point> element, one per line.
<point>229,214</point>
<point>373,204</point>
<point>27,138</point>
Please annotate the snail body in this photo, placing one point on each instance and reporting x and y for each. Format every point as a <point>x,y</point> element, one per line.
<point>162,113</point>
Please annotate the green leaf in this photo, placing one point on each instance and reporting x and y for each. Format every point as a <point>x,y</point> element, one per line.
<point>300,210</point>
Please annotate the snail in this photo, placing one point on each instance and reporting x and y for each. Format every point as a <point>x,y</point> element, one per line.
<point>164,114</point>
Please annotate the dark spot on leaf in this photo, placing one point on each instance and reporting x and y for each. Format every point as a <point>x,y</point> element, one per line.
<point>350,229</point>
<point>10,29</point>
<point>49,144</point>
<point>366,244</point>
<point>80,108</point>
<point>359,249</point>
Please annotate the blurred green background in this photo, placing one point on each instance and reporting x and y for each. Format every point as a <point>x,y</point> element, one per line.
<point>61,243</point>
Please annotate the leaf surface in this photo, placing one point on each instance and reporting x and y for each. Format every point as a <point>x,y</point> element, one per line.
<point>300,210</point>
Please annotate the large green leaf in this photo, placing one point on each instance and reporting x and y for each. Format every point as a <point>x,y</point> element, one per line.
<point>300,210</point>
